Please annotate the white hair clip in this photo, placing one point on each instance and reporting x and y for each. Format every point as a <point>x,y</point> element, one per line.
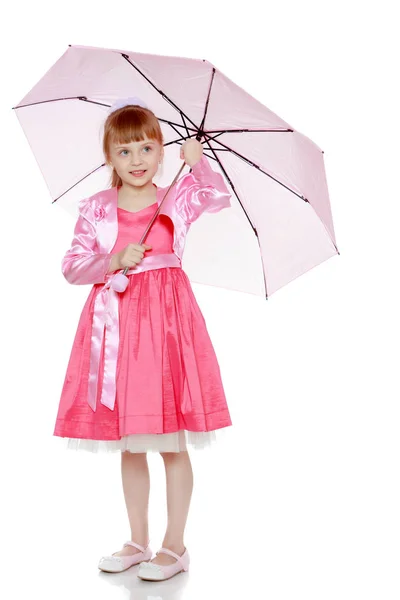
<point>126,102</point>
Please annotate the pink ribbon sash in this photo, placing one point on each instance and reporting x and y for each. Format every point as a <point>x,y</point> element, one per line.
<point>106,319</point>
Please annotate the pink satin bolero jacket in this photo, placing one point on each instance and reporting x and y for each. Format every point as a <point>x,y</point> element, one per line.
<point>88,259</point>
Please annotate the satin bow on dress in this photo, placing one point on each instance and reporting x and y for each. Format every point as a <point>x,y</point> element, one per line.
<point>88,259</point>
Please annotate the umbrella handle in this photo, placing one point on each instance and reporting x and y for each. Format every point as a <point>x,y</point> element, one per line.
<point>120,281</point>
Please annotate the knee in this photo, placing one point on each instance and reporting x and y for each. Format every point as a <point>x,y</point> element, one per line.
<point>172,455</point>
<point>138,455</point>
<point>165,454</point>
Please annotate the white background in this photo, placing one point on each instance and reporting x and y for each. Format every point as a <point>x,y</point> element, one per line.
<point>300,497</point>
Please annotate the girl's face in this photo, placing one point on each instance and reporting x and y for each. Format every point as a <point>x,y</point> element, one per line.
<point>135,156</point>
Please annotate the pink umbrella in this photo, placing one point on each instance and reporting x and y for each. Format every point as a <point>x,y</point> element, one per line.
<point>279,224</point>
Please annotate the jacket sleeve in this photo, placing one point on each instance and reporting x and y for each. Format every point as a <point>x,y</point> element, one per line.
<point>202,190</point>
<point>81,263</point>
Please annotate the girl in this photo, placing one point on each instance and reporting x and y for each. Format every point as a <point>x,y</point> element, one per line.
<point>142,374</point>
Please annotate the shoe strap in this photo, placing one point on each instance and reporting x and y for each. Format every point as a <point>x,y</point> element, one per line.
<point>167,551</point>
<point>138,546</point>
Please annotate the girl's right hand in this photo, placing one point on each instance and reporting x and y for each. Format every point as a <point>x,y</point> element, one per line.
<point>132,254</point>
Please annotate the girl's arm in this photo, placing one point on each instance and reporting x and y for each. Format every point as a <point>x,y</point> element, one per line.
<point>81,264</point>
<point>202,190</point>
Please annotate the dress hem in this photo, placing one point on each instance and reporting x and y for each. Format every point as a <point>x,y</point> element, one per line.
<point>167,442</point>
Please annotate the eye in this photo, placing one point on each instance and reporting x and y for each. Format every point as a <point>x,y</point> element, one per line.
<point>149,147</point>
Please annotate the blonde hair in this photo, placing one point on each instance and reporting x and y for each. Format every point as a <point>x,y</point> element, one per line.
<point>131,123</point>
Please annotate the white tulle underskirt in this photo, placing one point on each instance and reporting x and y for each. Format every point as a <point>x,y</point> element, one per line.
<point>147,442</point>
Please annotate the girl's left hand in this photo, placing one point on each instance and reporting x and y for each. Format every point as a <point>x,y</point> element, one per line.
<point>191,151</point>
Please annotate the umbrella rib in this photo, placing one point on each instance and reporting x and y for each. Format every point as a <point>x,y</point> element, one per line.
<point>248,218</point>
<point>59,99</point>
<point>178,142</point>
<point>219,131</point>
<point>178,132</point>
<point>86,99</point>
<point>201,134</point>
<point>252,164</point>
<point>233,188</point>
<point>104,164</point>
<point>177,124</point>
<point>206,105</point>
<point>99,167</point>
<point>185,124</point>
<point>171,102</point>
<point>79,181</point>
<point>285,186</point>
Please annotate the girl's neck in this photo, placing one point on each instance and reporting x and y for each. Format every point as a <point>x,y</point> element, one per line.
<point>134,202</point>
<point>136,193</point>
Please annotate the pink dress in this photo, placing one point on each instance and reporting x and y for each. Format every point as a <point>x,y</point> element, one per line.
<point>166,360</point>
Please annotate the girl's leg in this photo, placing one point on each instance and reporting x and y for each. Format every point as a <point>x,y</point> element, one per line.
<point>179,478</point>
<point>136,486</point>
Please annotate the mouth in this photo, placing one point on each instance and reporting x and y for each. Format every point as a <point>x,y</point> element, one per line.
<point>138,173</point>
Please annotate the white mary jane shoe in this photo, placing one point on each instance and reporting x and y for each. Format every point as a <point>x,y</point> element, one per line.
<point>153,572</point>
<point>116,564</point>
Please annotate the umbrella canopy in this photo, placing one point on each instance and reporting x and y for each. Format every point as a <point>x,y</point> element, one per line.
<point>279,225</point>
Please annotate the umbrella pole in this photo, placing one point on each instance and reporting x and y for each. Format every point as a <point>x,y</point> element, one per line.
<point>120,281</point>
